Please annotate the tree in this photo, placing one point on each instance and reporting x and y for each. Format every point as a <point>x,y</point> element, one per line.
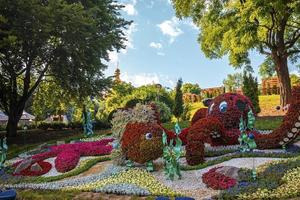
<point>250,89</point>
<point>66,39</point>
<point>50,98</point>
<point>295,80</point>
<point>267,68</point>
<point>235,28</point>
<point>233,82</point>
<point>178,106</point>
<point>191,88</point>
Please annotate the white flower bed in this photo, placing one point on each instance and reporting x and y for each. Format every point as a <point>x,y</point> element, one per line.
<point>56,185</point>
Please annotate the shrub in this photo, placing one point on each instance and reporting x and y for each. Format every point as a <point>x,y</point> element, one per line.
<point>66,161</point>
<point>132,103</point>
<point>99,125</point>
<point>140,113</point>
<point>186,115</point>
<point>178,106</point>
<point>137,143</point>
<point>75,125</point>
<point>164,111</point>
<point>53,125</point>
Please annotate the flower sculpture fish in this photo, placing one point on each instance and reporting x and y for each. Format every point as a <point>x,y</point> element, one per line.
<point>219,125</point>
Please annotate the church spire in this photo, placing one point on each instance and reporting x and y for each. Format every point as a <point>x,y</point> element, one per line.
<point>117,74</point>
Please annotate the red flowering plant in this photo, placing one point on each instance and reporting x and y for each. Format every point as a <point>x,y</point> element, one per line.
<point>66,161</point>
<point>199,114</point>
<point>62,152</point>
<point>200,133</point>
<point>45,166</point>
<point>217,181</point>
<point>142,142</point>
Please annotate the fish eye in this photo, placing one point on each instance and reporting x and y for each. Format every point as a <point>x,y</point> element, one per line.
<point>223,106</point>
<point>211,108</point>
<point>148,136</point>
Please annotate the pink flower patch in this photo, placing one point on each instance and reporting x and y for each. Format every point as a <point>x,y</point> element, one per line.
<point>66,161</point>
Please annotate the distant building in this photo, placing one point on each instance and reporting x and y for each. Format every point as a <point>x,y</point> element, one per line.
<point>26,118</point>
<point>117,75</point>
<point>212,92</point>
<point>270,86</point>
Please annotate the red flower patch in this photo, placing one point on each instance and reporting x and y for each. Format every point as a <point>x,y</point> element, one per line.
<point>46,166</point>
<point>66,161</point>
<point>217,181</point>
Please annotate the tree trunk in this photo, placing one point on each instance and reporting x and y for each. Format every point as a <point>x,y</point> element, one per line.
<point>13,119</point>
<point>284,80</point>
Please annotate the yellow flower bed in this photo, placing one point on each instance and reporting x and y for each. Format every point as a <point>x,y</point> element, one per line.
<point>290,188</point>
<point>138,177</point>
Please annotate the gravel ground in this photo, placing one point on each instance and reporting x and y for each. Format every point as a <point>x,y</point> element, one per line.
<point>191,182</point>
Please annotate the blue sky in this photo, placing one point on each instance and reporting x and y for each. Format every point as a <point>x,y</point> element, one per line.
<point>161,48</point>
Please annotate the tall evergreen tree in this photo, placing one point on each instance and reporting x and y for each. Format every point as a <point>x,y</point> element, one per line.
<point>178,107</point>
<point>250,89</point>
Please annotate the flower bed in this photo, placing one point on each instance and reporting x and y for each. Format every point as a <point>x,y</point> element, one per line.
<point>66,161</point>
<point>138,177</point>
<point>276,180</point>
<point>217,181</point>
<point>46,167</point>
<point>68,155</point>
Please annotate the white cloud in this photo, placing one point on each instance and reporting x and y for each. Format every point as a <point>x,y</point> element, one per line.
<point>296,72</point>
<point>161,53</point>
<point>147,78</point>
<point>140,79</point>
<point>129,36</point>
<point>155,45</point>
<point>113,57</point>
<point>171,28</point>
<point>130,9</point>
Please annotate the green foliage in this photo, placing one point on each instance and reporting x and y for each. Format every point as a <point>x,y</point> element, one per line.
<point>191,88</point>
<point>235,28</point>
<point>233,82</point>
<point>178,107</point>
<point>164,111</point>
<point>124,94</point>
<point>132,103</point>
<point>171,155</point>
<point>51,99</point>
<point>186,114</point>
<point>65,40</point>
<point>295,80</point>
<point>267,68</point>
<point>250,89</point>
